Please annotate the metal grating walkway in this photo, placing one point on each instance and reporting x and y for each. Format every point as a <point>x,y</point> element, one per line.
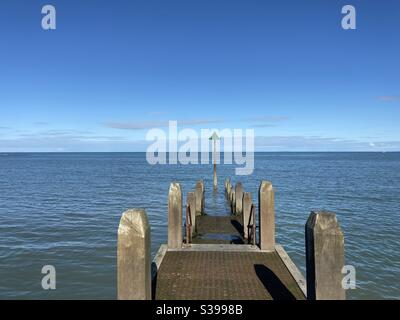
<point>209,275</point>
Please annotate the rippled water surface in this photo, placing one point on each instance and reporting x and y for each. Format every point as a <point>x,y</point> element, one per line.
<point>64,209</point>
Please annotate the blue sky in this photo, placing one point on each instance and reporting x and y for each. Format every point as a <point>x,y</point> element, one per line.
<point>114,69</point>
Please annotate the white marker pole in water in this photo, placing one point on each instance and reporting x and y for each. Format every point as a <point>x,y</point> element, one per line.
<point>215,137</point>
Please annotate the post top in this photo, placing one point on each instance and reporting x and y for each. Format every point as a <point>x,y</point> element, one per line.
<point>174,187</point>
<point>134,219</point>
<point>323,221</point>
<point>266,185</point>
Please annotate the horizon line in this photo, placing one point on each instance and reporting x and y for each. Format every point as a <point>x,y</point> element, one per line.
<point>221,152</point>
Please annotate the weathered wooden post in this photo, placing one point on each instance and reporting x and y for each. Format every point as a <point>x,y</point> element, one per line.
<point>175,216</point>
<point>266,216</point>
<point>239,198</point>
<point>203,197</point>
<point>227,183</point>
<point>233,201</point>
<point>133,256</point>
<point>198,192</point>
<point>324,257</point>
<point>191,201</point>
<point>247,202</point>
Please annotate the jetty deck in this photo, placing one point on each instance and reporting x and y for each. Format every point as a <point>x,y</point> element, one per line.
<point>218,273</point>
<point>218,264</point>
<point>227,257</point>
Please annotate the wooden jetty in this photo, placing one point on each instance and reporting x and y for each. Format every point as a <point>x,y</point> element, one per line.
<point>227,257</point>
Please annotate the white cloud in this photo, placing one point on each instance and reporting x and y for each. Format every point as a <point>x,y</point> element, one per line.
<point>98,143</point>
<point>141,125</point>
<point>315,143</point>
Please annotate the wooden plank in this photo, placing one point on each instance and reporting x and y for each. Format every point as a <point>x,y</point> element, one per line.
<point>292,268</point>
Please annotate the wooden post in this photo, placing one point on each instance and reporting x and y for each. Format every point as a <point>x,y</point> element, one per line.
<point>239,198</point>
<point>233,202</point>
<point>266,216</point>
<point>229,189</point>
<point>133,256</point>
<point>247,202</point>
<point>203,197</point>
<point>198,192</point>
<point>174,216</point>
<point>227,184</point>
<point>324,257</point>
<point>191,201</point>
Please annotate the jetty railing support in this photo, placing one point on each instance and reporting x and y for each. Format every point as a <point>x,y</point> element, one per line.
<point>191,202</point>
<point>188,225</point>
<point>324,257</point>
<point>133,256</point>
<point>247,204</point>
<point>266,216</point>
<point>239,198</point>
<point>252,226</point>
<point>175,216</point>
